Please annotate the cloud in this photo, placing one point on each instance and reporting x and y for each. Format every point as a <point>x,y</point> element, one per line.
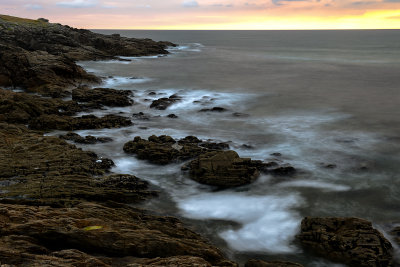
<point>279,2</point>
<point>392,1</point>
<point>222,5</point>
<point>362,3</point>
<point>190,3</point>
<point>33,7</point>
<point>77,4</point>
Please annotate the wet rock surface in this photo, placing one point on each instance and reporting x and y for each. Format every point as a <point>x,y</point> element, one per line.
<point>89,139</point>
<point>164,103</point>
<point>67,123</point>
<point>164,149</point>
<point>222,169</point>
<point>351,241</point>
<point>99,97</point>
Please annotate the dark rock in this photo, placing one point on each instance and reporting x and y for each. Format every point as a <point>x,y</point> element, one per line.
<point>396,234</point>
<point>85,140</point>
<point>189,140</point>
<point>276,154</point>
<point>140,116</point>
<point>103,96</point>
<point>164,103</point>
<point>260,263</point>
<point>172,116</point>
<point>65,123</point>
<point>39,56</point>
<point>283,171</point>
<point>351,241</point>
<point>222,169</point>
<point>152,93</point>
<point>215,146</point>
<point>214,109</point>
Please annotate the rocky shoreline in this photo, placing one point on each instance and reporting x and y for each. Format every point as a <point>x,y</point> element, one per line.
<point>61,206</point>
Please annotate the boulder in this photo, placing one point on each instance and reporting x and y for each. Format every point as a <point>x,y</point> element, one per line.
<point>351,241</point>
<point>222,169</point>
<point>164,103</point>
<point>214,109</point>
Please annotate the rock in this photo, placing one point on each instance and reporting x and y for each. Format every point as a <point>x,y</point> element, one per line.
<point>140,116</point>
<point>66,123</point>
<point>172,116</point>
<point>214,109</point>
<point>99,97</point>
<point>164,149</point>
<point>260,263</point>
<point>164,103</point>
<point>22,107</point>
<point>283,171</point>
<point>39,56</point>
<point>351,241</point>
<point>85,140</point>
<point>276,154</point>
<point>222,169</point>
<point>160,149</point>
<point>99,235</point>
<point>238,114</point>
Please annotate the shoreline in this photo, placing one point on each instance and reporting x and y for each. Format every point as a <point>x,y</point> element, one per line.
<point>44,181</point>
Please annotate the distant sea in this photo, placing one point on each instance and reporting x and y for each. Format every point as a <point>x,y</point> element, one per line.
<point>327,101</point>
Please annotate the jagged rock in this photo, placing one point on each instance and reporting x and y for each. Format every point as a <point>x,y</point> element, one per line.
<point>283,171</point>
<point>351,241</point>
<point>99,97</point>
<point>85,140</point>
<point>164,149</point>
<point>222,169</point>
<point>260,263</point>
<point>164,103</point>
<point>66,123</point>
<point>161,150</point>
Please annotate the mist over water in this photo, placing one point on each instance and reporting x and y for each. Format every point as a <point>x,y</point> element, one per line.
<point>327,101</point>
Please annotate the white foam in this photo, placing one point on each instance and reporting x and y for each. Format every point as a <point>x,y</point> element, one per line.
<point>269,223</point>
<point>316,184</point>
<point>143,57</point>
<point>188,47</point>
<point>118,81</point>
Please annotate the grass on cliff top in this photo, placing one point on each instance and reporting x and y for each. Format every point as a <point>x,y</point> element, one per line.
<point>22,20</point>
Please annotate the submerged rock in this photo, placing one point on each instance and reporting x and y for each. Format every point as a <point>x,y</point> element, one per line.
<point>214,109</point>
<point>222,169</point>
<point>164,103</point>
<point>351,241</point>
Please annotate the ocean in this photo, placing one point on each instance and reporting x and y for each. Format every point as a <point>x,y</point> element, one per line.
<point>326,101</point>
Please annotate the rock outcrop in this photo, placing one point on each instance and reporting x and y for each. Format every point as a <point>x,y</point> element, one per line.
<point>67,123</point>
<point>40,56</point>
<point>164,149</point>
<point>58,206</point>
<point>222,169</point>
<point>89,139</point>
<point>351,241</point>
<point>99,97</point>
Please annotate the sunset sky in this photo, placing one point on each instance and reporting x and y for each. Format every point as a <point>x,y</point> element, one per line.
<point>212,14</point>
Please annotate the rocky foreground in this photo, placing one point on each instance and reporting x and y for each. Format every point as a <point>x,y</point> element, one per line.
<point>61,206</point>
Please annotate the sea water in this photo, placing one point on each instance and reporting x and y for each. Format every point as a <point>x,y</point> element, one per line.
<point>326,101</point>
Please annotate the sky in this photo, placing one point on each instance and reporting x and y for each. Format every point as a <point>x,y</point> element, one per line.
<point>211,14</point>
